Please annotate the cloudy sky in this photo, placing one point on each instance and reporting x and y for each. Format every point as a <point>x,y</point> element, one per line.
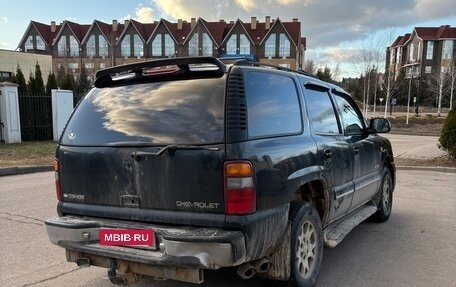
<point>335,29</point>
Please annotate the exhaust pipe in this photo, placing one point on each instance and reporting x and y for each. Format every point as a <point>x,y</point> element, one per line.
<point>246,271</point>
<point>263,265</point>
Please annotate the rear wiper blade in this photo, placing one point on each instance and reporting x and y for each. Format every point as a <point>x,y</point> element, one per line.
<point>171,149</point>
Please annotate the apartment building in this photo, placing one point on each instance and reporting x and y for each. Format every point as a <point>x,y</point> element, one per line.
<point>424,53</point>
<point>101,45</point>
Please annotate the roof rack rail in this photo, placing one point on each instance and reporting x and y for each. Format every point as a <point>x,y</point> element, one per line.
<point>254,63</point>
<point>138,72</point>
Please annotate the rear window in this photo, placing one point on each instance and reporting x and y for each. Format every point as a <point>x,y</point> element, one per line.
<point>173,112</point>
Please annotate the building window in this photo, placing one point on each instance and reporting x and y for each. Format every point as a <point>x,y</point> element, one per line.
<point>284,48</point>
<point>62,47</point>
<point>40,43</point>
<point>125,47</point>
<point>207,45</point>
<point>138,46</point>
<point>73,66</point>
<point>411,50</point>
<point>157,46</point>
<point>74,47</point>
<point>418,54</point>
<point>447,49</point>
<point>430,50</point>
<point>231,45</point>
<point>193,45</point>
<point>29,43</point>
<point>392,55</point>
<point>428,69</point>
<point>244,45</point>
<point>270,46</point>
<point>398,55</point>
<point>170,48</point>
<point>88,66</point>
<point>91,47</point>
<point>5,76</point>
<point>102,46</point>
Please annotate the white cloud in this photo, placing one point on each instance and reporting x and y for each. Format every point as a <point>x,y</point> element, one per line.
<point>247,5</point>
<point>127,17</point>
<point>434,8</point>
<point>6,46</point>
<point>289,2</point>
<point>179,9</point>
<point>144,14</point>
<point>4,19</point>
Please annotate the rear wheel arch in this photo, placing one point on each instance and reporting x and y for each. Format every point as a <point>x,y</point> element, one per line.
<point>316,193</point>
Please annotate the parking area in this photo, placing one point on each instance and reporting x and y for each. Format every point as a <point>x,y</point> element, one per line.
<point>416,247</point>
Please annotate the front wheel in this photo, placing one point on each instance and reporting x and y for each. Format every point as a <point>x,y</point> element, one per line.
<point>306,245</point>
<point>386,198</point>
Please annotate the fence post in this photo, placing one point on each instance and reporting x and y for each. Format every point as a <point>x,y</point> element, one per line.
<point>62,106</point>
<point>10,124</point>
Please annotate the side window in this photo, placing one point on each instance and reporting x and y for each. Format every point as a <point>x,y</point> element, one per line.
<point>352,121</point>
<point>272,105</point>
<point>321,112</point>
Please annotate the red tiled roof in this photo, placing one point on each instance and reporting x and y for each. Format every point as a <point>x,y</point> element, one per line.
<point>45,31</point>
<point>143,29</point>
<point>79,30</point>
<point>294,29</point>
<point>179,35</point>
<point>216,29</point>
<point>404,39</point>
<point>446,32</point>
<point>396,42</point>
<point>106,30</point>
<point>258,34</point>
<point>435,33</point>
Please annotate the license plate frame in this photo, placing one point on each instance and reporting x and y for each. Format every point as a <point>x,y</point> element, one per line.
<point>127,237</point>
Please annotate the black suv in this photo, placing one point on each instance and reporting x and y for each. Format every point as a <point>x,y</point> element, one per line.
<point>224,165</point>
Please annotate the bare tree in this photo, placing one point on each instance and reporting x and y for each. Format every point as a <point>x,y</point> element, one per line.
<point>310,67</point>
<point>370,60</point>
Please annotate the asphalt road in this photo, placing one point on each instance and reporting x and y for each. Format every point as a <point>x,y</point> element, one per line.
<point>416,247</point>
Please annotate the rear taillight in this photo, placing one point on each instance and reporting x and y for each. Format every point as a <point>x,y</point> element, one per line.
<point>240,194</point>
<point>58,191</point>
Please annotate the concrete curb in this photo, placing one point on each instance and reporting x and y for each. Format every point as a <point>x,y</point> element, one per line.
<point>24,169</point>
<point>428,168</point>
<point>4,171</point>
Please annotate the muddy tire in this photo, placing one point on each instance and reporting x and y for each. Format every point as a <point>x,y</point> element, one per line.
<point>306,245</point>
<point>386,198</point>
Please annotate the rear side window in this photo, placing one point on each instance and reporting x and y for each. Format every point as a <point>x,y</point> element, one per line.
<point>321,112</point>
<point>173,112</point>
<point>272,104</point>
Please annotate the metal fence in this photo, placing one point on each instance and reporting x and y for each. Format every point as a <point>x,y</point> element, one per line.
<point>36,117</point>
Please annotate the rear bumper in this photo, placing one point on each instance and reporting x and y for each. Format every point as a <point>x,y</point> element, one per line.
<point>196,248</point>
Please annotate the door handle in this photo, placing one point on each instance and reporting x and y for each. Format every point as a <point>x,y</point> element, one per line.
<point>327,153</point>
<point>356,150</point>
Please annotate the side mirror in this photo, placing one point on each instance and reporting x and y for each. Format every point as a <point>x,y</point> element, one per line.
<point>379,125</point>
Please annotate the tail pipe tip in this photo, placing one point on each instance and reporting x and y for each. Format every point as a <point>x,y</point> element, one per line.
<point>246,271</point>
<point>263,265</point>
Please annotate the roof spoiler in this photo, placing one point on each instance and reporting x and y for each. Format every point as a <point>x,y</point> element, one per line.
<point>175,68</point>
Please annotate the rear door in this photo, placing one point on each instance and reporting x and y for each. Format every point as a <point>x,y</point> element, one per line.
<point>149,146</point>
<point>334,152</point>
